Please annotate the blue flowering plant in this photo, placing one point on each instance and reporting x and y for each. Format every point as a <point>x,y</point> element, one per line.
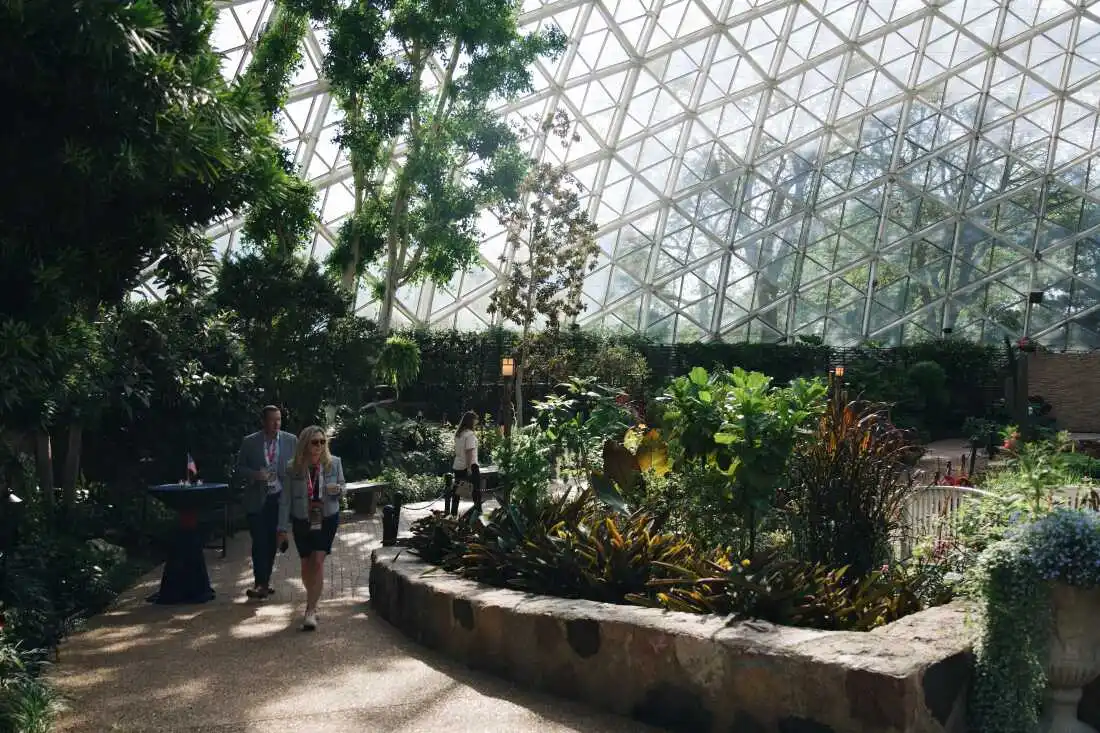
<point>1016,576</point>
<point>1064,547</point>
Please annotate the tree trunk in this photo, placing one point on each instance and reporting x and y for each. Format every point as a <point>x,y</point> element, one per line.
<point>385,312</point>
<point>72,463</point>
<point>43,454</point>
<point>519,393</point>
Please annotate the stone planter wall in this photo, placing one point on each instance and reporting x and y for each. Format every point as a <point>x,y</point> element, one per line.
<point>689,672</point>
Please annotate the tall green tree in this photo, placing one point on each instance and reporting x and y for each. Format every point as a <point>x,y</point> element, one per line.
<point>281,214</point>
<point>426,159</point>
<point>123,137</point>
<point>551,245</point>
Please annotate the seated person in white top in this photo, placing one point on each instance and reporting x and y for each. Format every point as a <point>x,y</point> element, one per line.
<point>465,464</point>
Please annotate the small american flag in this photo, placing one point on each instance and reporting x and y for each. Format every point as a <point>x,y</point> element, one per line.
<point>192,470</point>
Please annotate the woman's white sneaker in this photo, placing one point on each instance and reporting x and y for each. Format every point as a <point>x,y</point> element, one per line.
<point>310,622</point>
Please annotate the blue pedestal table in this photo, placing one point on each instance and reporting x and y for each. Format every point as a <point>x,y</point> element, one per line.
<point>185,579</point>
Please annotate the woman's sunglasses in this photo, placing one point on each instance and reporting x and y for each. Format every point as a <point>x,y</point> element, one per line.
<point>318,441</point>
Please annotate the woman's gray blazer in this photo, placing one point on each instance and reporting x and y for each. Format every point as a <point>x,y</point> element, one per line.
<point>295,498</point>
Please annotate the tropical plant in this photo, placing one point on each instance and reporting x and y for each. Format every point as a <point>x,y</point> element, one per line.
<point>489,438</point>
<point>287,311</point>
<point>525,459</point>
<point>735,424</point>
<point>578,420</point>
<point>577,547</point>
<point>571,547</point>
<point>844,499</point>
<point>789,592</point>
<point>282,215</point>
<point>27,703</point>
<point>413,487</point>
<point>399,362</point>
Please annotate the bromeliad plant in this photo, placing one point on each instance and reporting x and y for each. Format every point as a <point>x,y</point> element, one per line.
<point>571,547</point>
<point>578,547</point>
<point>737,425</point>
<point>790,592</point>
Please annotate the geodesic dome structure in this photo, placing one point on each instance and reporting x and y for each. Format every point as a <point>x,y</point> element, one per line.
<point>886,170</point>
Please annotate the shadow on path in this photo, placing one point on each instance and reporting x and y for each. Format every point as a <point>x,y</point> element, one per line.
<point>232,665</point>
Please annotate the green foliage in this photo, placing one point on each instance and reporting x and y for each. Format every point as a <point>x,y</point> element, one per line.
<point>735,424</point>
<point>569,548</point>
<point>578,420</point>
<point>525,459</point>
<point>128,136</point>
<point>362,440</point>
<point>188,387</point>
<point>27,703</point>
<point>552,357</point>
<point>575,547</point>
<point>1015,578</point>
<point>1036,469</point>
<point>932,385</point>
<point>489,439</point>
<point>372,439</point>
<point>420,447</point>
<point>843,499</point>
<point>459,158</point>
<point>282,213</point>
<point>791,593</point>
<point>292,319</point>
<point>414,487</point>
<point>399,361</point>
<point>1010,660</point>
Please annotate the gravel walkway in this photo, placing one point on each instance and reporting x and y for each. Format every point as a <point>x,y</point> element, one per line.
<point>233,666</point>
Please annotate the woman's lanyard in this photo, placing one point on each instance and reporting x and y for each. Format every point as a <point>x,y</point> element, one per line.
<point>314,487</point>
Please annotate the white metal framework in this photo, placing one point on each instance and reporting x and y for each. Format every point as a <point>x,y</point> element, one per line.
<point>761,170</point>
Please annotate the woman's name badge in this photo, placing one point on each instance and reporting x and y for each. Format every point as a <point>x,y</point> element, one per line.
<point>315,515</point>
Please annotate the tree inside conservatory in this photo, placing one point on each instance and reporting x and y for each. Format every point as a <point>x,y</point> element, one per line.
<point>551,246</point>
<point>416,219</point>
<point>127,138</point>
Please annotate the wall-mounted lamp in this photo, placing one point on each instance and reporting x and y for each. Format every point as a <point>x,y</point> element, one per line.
<point>839,371</point>
<point>507,367</point>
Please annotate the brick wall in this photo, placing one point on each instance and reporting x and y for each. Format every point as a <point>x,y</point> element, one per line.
<point>1071,383</point>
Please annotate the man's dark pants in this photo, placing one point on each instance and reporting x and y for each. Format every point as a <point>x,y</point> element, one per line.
<point>264,528</point>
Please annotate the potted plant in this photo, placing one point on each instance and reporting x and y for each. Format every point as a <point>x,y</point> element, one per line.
<point>1040,645</point>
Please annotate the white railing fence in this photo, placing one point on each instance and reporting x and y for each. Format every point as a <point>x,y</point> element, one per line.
<point>932,512</point>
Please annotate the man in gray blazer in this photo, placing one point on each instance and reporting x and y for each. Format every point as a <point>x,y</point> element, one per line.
<point>262,463</point>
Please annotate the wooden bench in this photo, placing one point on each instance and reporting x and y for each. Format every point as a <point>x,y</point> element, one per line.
<point>363,495</point>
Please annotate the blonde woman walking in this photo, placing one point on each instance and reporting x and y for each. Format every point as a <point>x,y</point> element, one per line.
<point>316,479</point>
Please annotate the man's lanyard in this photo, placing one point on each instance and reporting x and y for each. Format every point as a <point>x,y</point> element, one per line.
<point>271,448</point>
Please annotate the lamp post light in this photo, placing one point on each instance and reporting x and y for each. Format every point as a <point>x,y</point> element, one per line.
<point>836,378</point>
<point>507,372</point>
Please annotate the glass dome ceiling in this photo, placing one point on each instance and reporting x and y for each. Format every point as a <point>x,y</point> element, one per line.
<point>761,170</point>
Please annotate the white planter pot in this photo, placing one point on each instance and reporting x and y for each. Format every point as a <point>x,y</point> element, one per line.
<point>1074,657</point>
